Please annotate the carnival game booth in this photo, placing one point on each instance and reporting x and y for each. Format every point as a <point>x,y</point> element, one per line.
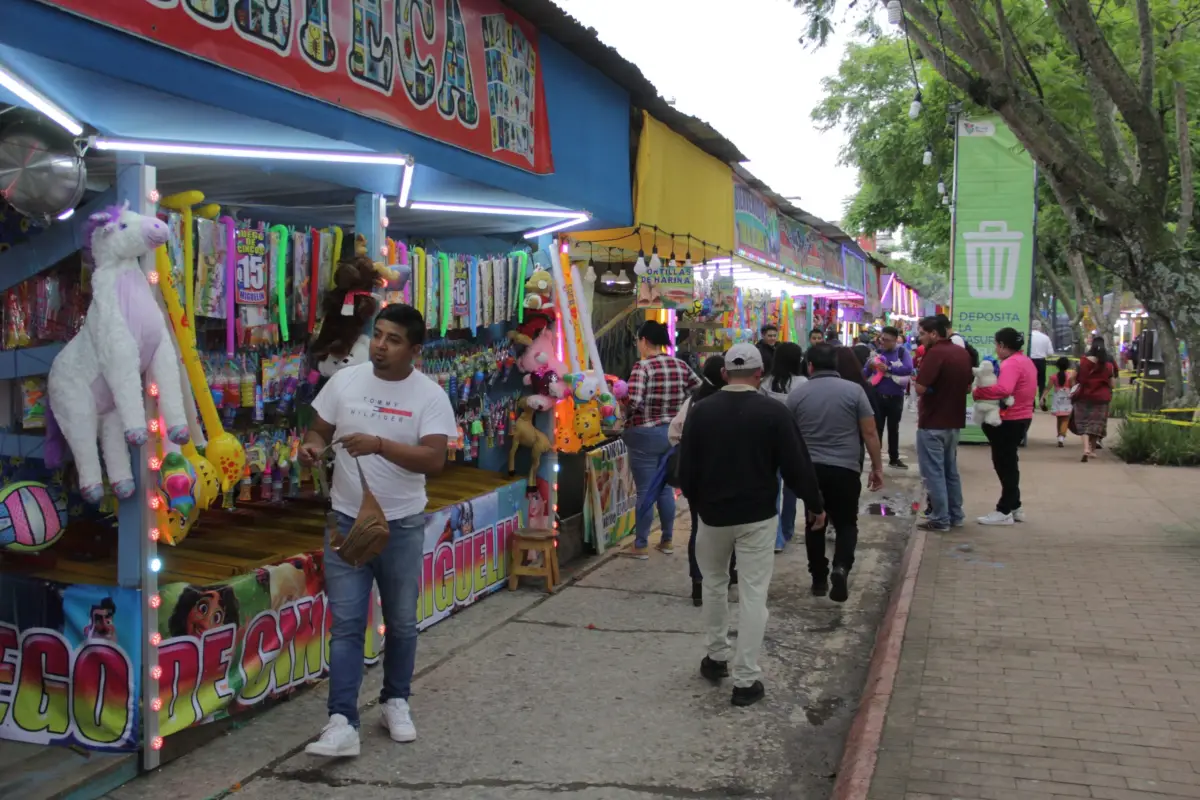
<point>183,582</point>
<point>902,306</point>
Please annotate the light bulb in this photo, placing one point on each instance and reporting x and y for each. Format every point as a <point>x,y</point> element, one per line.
<point>153,390</point>
<point>946,200</point>
<point>590,274</point>
<point>153,425</point>
<point>155,534</point>
<point>156,639</point>
<point>655,261</point>
<point>927,159</point>
<point>157,743</point>
<point>155,601</point>
<point>941,188</point>
<point>156,704</point>
<point>155,503</point>
<point>154,464</point>
<point>384,222</point>
<point>156,672</point>
<point>153,278</point>
<point>153,196</point>
<point>914,110</point>
<point>895,12</point>
<point>639,266</point>
<point>155,564</point>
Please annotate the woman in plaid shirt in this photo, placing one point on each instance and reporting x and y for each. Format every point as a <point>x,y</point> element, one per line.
<point>658,386</point>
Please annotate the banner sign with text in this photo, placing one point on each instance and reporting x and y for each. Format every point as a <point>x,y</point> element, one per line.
<point>70,657</point>
<point>992,266</point>
<point>756,225</point>
<point>70,662</point>
<point>799,248</point>
<point>464,72</point>
<point>608,513</point>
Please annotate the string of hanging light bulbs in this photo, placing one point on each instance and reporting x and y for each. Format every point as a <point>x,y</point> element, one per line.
<point>896,16</point>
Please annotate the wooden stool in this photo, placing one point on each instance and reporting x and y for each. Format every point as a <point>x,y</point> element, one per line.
<point>539,540</point>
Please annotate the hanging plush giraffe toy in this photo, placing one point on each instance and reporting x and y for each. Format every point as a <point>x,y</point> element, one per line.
<point>95,384</point>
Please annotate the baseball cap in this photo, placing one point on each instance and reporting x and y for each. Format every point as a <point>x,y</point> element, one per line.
<point>743,357</point>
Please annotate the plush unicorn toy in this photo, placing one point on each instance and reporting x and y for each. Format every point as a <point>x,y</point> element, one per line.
<point>95,383</point>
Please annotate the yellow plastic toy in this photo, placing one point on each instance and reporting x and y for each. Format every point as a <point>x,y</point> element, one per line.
<point>224,450</point>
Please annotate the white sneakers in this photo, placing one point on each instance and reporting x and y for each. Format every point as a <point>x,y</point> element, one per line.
<point>397,718</point>
<point>1019,515</point>
<point>996,518</point>
<point>339,739</point>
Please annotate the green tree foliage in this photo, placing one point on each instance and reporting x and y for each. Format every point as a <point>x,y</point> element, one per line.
<point>1102,93</point>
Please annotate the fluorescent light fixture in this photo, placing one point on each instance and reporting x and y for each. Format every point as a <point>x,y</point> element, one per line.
<point>66,215</point>
<point>247,151</point>
<point>406,183</point>
<point>570,222</point>
<point>26,92</point>
<point>513,211</point>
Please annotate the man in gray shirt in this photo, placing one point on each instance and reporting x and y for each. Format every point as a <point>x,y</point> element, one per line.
<point>835,421</point>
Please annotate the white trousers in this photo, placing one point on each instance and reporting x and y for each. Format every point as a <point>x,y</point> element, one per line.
<point>755,547</point>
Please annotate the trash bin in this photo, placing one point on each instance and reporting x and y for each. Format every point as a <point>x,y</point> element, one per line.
<point>1152,386</point>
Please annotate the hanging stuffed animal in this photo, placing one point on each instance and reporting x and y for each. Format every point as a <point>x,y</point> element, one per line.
<point>95,384</point>
<point>348,309</point>
<point>539,290</point>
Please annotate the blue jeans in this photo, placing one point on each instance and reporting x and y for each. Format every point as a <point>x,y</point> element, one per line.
<point>937,454</point>
<point>397,570</point>
<point>647,446</point>
<point>787,517</point>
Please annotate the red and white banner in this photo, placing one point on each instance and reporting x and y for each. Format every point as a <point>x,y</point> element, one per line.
<point>464,72</point>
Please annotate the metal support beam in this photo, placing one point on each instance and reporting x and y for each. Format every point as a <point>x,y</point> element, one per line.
<point>137,549</point>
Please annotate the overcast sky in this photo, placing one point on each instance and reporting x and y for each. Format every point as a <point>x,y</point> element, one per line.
<point>745,73</point>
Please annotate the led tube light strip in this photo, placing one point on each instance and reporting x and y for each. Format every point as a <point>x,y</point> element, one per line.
<point>27,93</point>
<point>251,151</point>
<point>568,218</point>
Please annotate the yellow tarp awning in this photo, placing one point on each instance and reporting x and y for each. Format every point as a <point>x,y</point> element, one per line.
<point>679,188</point>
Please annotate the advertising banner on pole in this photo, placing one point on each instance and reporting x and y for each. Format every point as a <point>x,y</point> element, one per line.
<point>992,265</point>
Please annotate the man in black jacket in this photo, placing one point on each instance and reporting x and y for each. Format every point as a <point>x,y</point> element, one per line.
<point>734,445</point>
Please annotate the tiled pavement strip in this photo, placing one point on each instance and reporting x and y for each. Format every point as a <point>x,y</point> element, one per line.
<point>1058,658</point>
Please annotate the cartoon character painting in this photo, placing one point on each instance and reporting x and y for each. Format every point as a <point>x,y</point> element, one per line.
<point>102,621</point>
<point>202,608</point>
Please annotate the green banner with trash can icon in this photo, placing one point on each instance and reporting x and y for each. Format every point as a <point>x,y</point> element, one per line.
<point>992,265</point>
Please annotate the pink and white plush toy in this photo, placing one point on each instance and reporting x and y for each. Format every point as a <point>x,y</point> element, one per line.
<point>95,384</point>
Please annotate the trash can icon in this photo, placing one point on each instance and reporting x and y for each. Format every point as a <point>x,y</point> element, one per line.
<point>993,260</point>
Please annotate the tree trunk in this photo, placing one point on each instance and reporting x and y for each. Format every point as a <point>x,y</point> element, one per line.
<point>1169,344</point>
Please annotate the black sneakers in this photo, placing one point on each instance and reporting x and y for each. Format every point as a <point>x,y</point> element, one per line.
<point>897,464</point>
<point>714,671</point>
<point>820,586</point>
<point>838,593</point>
<point>697,593</point>
<point>748,695</point>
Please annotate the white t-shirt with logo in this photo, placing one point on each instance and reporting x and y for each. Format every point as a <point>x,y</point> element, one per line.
<point>355,401</point>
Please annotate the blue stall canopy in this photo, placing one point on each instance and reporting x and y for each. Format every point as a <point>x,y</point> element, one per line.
<point>116,82</point>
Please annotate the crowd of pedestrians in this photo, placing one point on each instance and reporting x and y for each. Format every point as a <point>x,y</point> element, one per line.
<point>773,431</point>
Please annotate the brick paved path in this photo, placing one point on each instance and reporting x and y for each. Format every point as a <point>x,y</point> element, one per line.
<point>1059,658</point>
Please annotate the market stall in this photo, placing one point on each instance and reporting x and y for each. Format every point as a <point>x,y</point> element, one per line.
<point>180,580</point>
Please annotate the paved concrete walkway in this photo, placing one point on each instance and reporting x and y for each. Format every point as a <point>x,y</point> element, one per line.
<point>593,693</point>
<point>1059,658</point>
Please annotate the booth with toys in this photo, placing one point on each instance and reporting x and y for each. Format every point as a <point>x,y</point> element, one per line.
<point>902,305</point>
<point>200,252</point>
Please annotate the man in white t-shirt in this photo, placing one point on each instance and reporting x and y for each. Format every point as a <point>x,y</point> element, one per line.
<point>396,422</point>
<point>1041,350</point>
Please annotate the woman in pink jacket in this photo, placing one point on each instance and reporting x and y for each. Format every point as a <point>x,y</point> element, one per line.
<point>1018,379</point>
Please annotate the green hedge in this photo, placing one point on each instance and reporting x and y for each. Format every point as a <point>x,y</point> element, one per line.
<point>1150,442</point>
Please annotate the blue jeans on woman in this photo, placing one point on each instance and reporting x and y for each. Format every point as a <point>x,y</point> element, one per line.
<point>397,570</point>
<point>787,518</point>
<point>647,448</point>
